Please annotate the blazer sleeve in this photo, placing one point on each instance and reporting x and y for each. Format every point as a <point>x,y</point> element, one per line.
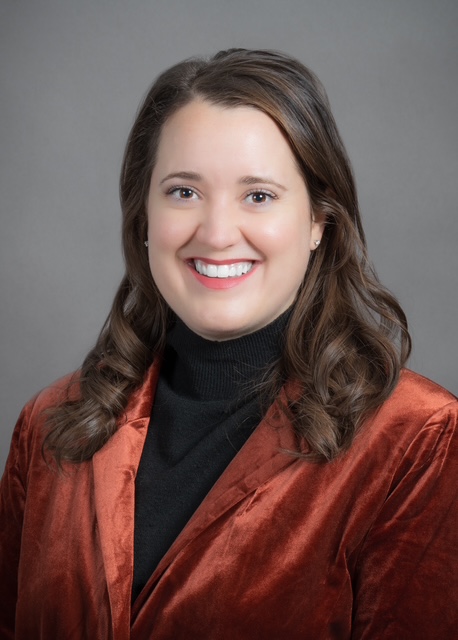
<point>12,503</point>
<point>406,578</point>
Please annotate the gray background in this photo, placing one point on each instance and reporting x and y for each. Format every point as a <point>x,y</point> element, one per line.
<point>72,74</point>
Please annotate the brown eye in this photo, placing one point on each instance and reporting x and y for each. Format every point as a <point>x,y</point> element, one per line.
<point>182,193</point>
<point>260,197</point>
<point>185,193</point>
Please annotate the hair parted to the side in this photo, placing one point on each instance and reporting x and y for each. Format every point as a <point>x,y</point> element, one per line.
<point>347,337</point>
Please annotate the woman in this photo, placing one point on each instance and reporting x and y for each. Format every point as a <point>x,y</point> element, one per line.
<point>242,454</point>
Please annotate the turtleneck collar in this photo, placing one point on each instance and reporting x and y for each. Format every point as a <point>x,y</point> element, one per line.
<point>209,370</point>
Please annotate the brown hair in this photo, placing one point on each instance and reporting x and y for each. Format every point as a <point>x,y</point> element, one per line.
<point>347,336</point>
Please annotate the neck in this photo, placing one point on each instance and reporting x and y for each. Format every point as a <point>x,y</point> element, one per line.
<point>208,370</point>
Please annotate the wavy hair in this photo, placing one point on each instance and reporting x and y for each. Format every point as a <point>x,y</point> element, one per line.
<point>347,336</point>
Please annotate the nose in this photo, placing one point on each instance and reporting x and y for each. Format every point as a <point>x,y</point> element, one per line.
<point>219,226</point>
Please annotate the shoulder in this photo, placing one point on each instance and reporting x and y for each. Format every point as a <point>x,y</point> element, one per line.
<point>417,399</point>
<point>428,392</point>
<point>28,432</point>
<point>419,420</point>
<point>61,390</point>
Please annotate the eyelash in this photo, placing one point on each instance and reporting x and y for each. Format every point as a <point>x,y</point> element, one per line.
<point>262,192</point>
<point>174,189</point>
<point>271,196</point>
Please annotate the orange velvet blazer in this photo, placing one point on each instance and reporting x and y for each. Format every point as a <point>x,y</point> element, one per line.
<point>281,548</point>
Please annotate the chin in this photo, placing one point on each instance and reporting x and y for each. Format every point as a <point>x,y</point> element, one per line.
<point>220,331</point>
<point>220,335</point>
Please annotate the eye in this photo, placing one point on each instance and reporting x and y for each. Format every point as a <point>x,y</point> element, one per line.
<point>259,196</point>
<point>182,193</point>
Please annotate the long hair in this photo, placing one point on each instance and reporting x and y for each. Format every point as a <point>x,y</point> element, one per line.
<point>347,337</point>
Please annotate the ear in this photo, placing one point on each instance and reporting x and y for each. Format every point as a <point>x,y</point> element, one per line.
<point>317,228</point>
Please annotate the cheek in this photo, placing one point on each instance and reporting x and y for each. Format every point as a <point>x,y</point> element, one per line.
<point>167,234</point>
<point>287,239</point>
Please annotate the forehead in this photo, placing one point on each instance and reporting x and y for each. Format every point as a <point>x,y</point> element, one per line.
<point>203,134</point>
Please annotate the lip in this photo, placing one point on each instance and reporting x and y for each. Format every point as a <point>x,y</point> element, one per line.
<point>220,283</point>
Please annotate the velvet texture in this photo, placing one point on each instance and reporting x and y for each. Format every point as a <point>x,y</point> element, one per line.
<point>364,547</point>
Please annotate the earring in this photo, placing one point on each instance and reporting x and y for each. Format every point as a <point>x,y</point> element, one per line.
<point>317,242</point>
<point>146,243</point>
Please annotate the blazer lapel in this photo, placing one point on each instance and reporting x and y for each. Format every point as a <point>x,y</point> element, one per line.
<point>264,454</point>
<point>114,470</point>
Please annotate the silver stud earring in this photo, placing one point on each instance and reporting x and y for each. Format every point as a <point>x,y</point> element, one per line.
<point>146,243</point>
<point>317,242</point>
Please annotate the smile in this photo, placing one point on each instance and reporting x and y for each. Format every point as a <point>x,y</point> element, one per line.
<point>234,270</point>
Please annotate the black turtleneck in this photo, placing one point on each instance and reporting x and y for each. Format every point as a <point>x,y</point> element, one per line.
<point>203,412</point>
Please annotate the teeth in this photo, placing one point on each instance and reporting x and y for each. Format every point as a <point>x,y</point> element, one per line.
<point>222,270</point>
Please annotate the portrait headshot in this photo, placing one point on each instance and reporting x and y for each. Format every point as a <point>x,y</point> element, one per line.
<point>228,261</point>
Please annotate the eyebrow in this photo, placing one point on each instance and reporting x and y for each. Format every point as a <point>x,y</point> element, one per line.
<point>191,175</point>
<point>183,175</point>
<point>261,180</point>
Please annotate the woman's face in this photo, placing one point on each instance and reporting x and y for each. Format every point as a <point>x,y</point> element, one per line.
<point>229,220</point>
